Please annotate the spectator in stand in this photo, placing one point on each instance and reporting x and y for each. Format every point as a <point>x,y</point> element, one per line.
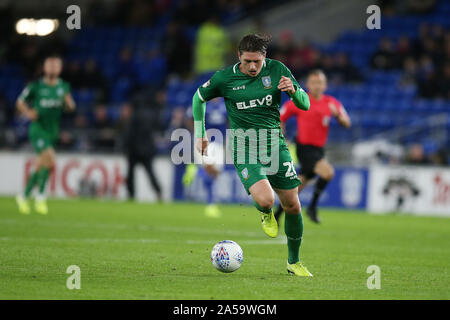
<point>426,65</point>
<point>231,10</point>
<point>137,12</point>
<point>420,6</point>
<point>410,72</point>
<point>417,44</point>
<point>81,132</point>
<point>438,34</point>
<point>175,45</point>
<point>304,50</point>
<point>447,49</point>
<point>298,67</point>
<point>193,12</point>
<point>73,74</point>
<point>345,70</point>
<point>93,79</point>
<point>440,157</point>
<point>211,47</point>
<point>328,68</point>
<point>178,119</point>
<point>447,43</point>
<point>416,155</point>
<point>403,51</point>
<point>316,60</point>
<point>444,82</point>
<point>104,137</point>
<point>66,140</point>
<point>151,68</point>
<point>126,67</point>
<point>384,57</point>
<point>431,49</point>
<point>428,80</point>
<point>285,49</point>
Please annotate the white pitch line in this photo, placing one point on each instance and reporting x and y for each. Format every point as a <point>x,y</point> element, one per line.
<point>165,228</point>
<point>281,240</point>
<point>89,240</point>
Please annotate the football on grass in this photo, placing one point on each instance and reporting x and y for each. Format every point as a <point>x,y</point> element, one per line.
<point>227,256</point>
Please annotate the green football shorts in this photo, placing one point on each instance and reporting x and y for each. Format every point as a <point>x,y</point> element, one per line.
<point>40,139</point>
<point>284,178</point>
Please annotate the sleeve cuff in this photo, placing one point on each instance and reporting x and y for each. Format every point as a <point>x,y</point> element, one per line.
<point>200,96</point>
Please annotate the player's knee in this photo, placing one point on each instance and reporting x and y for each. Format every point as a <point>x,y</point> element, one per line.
<point>37,164</point>
<point>266,202</point>
<point>292,207</point>
<point>49,163</point>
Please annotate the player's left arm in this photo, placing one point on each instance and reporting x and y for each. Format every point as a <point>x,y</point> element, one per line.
<point>338,111</point>
<point>289,85</point>
<point>69,102</point>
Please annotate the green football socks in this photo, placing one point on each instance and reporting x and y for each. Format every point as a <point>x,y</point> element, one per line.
<point>42,179</point>
<point>32,180</point>
<point>293,227</point>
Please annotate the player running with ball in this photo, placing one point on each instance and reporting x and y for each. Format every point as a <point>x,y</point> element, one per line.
<point>252,92</point>
<point>42,102</point>
<point>312,134</point>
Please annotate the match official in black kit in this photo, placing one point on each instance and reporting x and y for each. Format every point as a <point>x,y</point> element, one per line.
<point>138,140</point>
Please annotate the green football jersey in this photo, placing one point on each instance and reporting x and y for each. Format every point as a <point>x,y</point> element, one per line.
<point>48,102</point>
<point>251,102</point>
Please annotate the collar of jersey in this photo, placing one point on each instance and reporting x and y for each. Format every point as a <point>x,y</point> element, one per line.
<point>59,81</point>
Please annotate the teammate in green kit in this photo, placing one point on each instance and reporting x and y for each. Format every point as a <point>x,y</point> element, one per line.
<point>42,102</point>
<point>252,92</point>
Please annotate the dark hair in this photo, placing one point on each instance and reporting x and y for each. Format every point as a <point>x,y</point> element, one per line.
<point>254,43</point>
<point>53,56</point>
<point>316,72</point>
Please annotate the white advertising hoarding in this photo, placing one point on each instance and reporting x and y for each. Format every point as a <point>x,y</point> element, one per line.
<point>75,175</point>
<point>411,189</point>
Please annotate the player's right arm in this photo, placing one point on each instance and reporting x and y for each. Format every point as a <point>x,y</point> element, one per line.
<point>209,90</point>
<point>22,104</point>
<point>290,85</point>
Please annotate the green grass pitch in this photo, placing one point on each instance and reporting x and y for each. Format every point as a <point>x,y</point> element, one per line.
<point>161,251</point>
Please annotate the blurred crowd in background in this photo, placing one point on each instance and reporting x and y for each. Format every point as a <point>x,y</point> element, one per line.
<point>425,61</point>
<point>192,41</point>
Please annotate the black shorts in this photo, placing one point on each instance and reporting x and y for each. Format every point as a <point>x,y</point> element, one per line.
<point>308,156</point>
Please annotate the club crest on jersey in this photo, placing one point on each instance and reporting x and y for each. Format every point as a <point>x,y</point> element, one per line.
<point>267,82</point>
<point>245,173</point>
<point>206,84</point>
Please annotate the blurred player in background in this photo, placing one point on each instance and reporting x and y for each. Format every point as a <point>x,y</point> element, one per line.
<point>312,134</point>
<point>212,163</point>
<point>252,92</point>
<point>139,141</point>
<point>42,102</point>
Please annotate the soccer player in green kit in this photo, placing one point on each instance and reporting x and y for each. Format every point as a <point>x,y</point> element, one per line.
<point>42,102</point>
<point>252,92</point>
